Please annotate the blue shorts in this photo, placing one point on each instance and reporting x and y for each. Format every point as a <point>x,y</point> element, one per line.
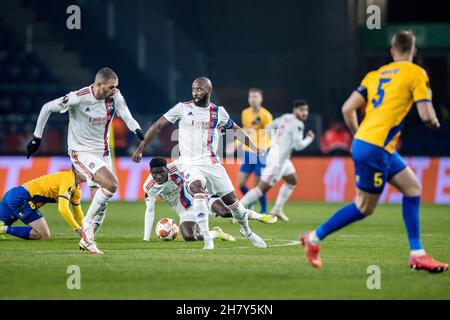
<point>374,166</point>
<point>17,205</point>
<point>252,163</point>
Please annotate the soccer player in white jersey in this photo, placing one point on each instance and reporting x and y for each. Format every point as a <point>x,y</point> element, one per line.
<point>199,123</point>
<point>286,136</point>
<point>91,111</point>
<point>167,182</point>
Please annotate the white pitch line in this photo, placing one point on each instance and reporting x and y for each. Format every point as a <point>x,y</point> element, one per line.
<point>289,243</point>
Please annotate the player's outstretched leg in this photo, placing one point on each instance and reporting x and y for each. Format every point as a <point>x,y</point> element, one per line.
<point>364,205</point>
<point>240,214</point>
<point>407,182</point>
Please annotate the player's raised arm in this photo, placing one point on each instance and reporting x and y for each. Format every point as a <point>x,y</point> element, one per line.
<point>428,114</point>
<point>124,113</point>
<point>61,104</point>
<point>355,101</point>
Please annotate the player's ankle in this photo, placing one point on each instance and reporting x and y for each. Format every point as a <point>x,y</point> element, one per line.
<point>417,253</point>
<point>313,238</point>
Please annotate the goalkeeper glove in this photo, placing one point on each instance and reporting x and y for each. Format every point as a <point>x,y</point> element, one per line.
<point>33,146</point>
<point>139,134</point>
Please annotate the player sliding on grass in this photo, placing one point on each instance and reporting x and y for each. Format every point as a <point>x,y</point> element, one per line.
<point>199,124</point>
<point>286,136</point>
<point>23,203</point>
<point>388,95</point>
<point>91,111</point>
<point>168,183</point>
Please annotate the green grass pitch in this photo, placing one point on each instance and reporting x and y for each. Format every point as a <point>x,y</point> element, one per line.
<point>134,269</point>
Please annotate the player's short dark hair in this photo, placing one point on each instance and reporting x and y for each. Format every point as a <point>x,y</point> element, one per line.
<point>251,90</point>
<point>157,162</point>
<point>297,103</point>
<point>106,74</point>
<point>403,41</point>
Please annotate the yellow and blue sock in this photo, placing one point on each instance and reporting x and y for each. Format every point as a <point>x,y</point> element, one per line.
<point>20,232</point>
<point>340,219</point>
<point>410,210</point>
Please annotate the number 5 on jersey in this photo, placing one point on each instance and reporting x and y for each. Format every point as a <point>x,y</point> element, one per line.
<point>380,92</point>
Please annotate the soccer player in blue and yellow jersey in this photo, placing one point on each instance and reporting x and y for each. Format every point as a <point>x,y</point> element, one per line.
<point>255,118</point>
<point>23,203</point>
<point>388,95</point>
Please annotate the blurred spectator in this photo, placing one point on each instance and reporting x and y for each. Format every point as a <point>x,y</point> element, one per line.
<point>120,137</point>
<point>336,141</point>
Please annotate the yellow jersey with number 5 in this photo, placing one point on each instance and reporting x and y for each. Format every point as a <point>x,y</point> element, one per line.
<point>390,93</point>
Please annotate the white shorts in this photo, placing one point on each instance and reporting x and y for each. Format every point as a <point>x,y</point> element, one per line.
<point>187,215</point>
<point>88,163</point>
<point>273,172</point>
<point>213,176</point>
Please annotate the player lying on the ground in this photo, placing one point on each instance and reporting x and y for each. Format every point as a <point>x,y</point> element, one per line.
<point>286,136</point>
<point>388,95</point>
<point>23,203</point>
<point>200,121</point>
<point>91,111</point>
<point>167,182</point>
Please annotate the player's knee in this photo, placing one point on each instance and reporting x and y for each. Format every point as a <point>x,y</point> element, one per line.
<point>414,190</point>
<point>111,185</point>
<point>366,208</point>
<point>197,187</point>
<point>41,234</point>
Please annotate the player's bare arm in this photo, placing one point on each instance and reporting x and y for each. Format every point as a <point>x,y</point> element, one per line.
<point>354,102</point>
<point>428,114</point>
<point>151,133</point>
<point>244,138</point>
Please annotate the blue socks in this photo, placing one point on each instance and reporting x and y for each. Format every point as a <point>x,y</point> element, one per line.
<point>410,210</point>
<point>20,232</point>
<point>263,202</point>
<point>341,218</point>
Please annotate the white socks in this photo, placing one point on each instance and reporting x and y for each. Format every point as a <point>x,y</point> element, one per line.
<point>98,204</point>
<point>251,197</point>
<point>98,220</point>
<point>417,253</point>
<point>240,214</point>
<point>313,238</point>
<point>201,212</point>
<point>253,215</point>
<point>283,196</point>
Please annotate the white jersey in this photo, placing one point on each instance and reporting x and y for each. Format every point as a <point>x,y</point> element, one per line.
<point>199,131</point>
<point>89,119</point>
<point>286,136</point>
<point>173,191</point>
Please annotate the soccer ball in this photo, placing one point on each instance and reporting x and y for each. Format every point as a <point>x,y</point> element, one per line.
<point>167,229</point>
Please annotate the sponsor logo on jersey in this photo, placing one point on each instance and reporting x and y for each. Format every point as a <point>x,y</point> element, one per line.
<point>65,100</point>
<point>190,113</point>
<point>87,109</point>
<point>91,165</point>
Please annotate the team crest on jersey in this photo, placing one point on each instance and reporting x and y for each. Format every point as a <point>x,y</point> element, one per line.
<point>109,103</point>
<point>190,114</point>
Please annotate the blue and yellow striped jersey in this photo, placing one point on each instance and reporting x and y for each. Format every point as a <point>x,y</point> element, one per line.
<point>390,92</point>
